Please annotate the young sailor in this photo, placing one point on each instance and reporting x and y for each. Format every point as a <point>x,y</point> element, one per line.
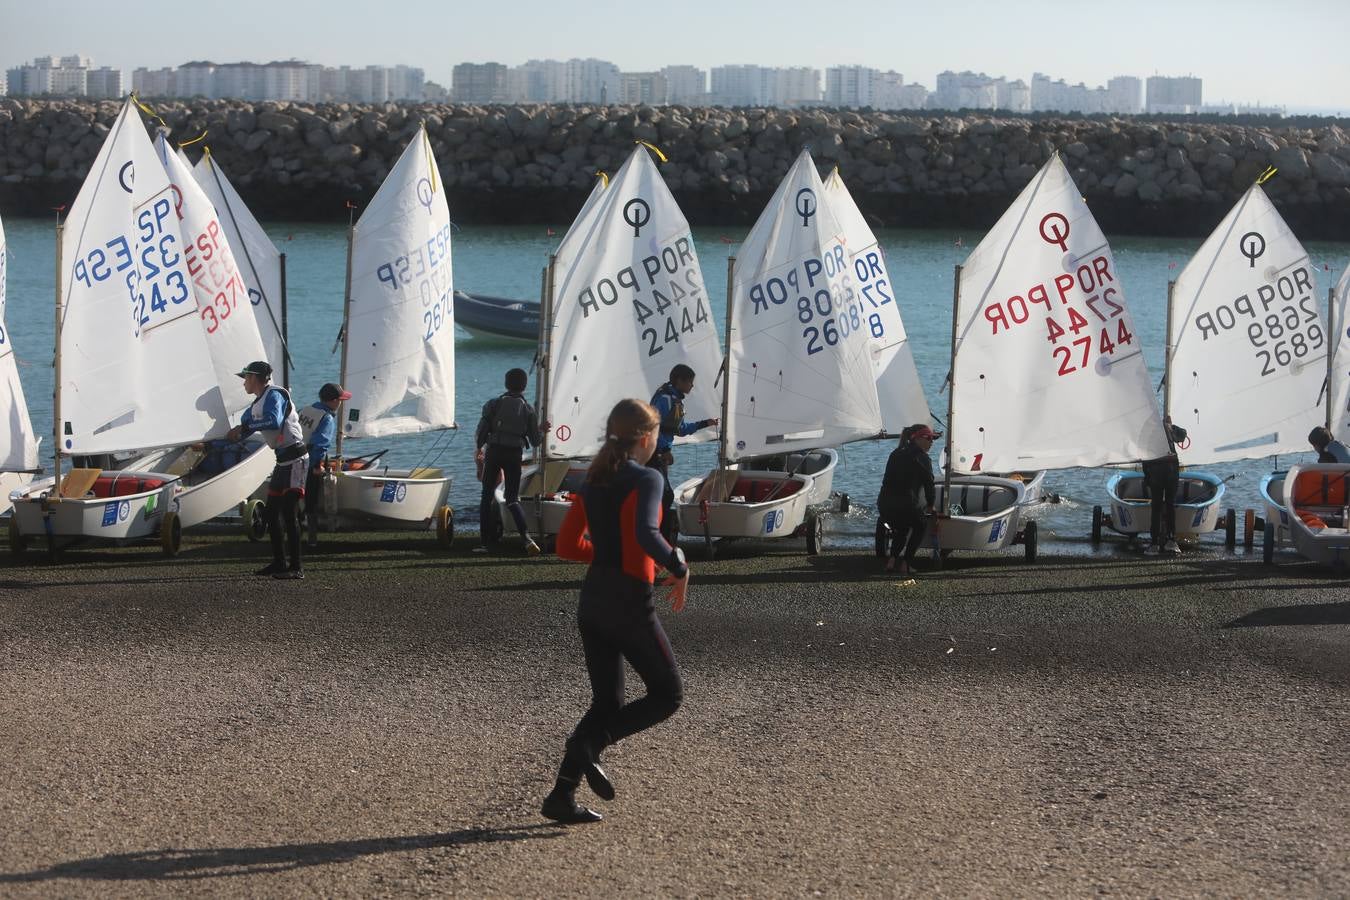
<point>1329,450</point>
<point>318,423</point>
<point>273,416</point>
<point>668,401</point>
<point>509,425</point>
<point>619,507</point>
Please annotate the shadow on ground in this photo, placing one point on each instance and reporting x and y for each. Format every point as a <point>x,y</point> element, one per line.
<point>225,862</point>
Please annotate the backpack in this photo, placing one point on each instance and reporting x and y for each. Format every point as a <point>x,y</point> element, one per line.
<point>510,418</point>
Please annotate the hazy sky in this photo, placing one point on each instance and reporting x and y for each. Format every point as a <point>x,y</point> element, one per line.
<point>1289,52</point>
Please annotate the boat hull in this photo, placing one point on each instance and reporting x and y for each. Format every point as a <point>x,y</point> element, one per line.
<point>778,513</point>
<point>127,516</point>
<point>1274,510</point>
<point>1319,513</point>
<point>983,512</point>
<point>198,499</point>
<point>497,318</point>
<point>544,509</point>
<point>9,483</point>
<point>1199,495</point>
<point>392,498</point>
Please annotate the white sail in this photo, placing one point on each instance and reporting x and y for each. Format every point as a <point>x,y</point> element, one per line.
<point>1048,371</point>
<point>578,233</point>
<point>18,444</point>
<point>1339,386</point>
<point>630,304</point>
<point>800,363</point>
<point>898,386</point>
<point>1247,343</point>
<point>400,330</point>
<point>217,284</point>
<point>135,369</point>
<point>255,254</point>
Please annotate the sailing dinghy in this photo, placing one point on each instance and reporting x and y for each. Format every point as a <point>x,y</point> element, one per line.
<point>1245,366</point>
<point>18,444</point>
<point>799,378</point>
<point>398,346</point>
<point>132,358</point>
<point>1046,371</point>
<point>624,303</point>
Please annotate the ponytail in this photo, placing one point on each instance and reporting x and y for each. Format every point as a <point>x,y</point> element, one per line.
<point>628,422</point>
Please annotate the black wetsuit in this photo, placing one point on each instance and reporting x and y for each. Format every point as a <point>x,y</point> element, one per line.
<point>617,614</point>
<point>907,489</point>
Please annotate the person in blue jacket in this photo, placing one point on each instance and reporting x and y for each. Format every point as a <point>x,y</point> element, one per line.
<point>273,416</point>
<point>668,401</point>
<point>318,422</point>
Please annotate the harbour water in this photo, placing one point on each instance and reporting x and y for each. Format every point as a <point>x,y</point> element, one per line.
<point>506,261</point>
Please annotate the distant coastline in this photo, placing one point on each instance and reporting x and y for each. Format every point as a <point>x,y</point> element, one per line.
<point>535,164</point>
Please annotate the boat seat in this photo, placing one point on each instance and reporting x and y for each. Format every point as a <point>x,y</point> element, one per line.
<point>1320,489</point>
<point>978,499</point>
<point>124,484</point>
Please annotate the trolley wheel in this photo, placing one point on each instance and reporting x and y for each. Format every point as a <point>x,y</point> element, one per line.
<point>445,526</point>
<point>17,542</point>
<point>1248,528</point>
<point>1096,524</point>
<point>1230,528</point>
<point>255,520</point>
<point>1268,544</point>
<point>171,534</point>
<point>883,537</point>
<point>1029,540</point>
<point>844,504</point>
<point>815,534</point>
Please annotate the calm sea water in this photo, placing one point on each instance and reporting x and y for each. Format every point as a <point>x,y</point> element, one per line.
<point>506,261</point>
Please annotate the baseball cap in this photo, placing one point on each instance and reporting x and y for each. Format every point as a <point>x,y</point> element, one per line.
<point>259,368</point>
<point>923,431</point>
<point>330,392</point>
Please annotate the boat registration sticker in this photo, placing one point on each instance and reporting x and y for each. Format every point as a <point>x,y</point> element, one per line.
<point>110,513</point>
<point>1199,514</point>
<point>388,492</point>
<point>996,531</point>
<point>773,519</point>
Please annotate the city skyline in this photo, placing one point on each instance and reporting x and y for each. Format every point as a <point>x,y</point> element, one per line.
<point>1228,44</point>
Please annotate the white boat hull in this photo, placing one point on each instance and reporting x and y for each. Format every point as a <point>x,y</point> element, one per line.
<point>544,510</point>
<point>392,497</point>
<point>9,483</point>
<point>756,507</point>
<point>1199,495</point>
<point>983,512</point>
<point>116,517</point>
<point>1320,494</point>
<point>199,500</point>
<point>1274,510</point>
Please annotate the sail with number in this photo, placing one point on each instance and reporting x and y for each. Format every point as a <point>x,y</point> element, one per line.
<point>217,284</point>
<point>131,345</point>
<point>399,336</point>
<point>800,351</point>
<point>629,304</point>
<point>1339,383</point>
<point>1047,370</point>
<point>257,257</point>
<point>898,386</point>
<point>1247,348</point>
<point>18,444</point>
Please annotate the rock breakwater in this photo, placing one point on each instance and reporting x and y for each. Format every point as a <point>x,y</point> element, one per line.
<point>534,164</point>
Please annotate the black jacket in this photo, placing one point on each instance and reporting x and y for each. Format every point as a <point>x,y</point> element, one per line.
<point>909,478</point>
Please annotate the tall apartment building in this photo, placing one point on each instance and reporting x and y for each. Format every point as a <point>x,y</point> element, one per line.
<point>66,76</point>
<point>849,86</point>
<point>1125,95</point>
<point>479,83</point>
<point>685,84</point>
<point>795,86</point>
<point>746,85</point>
<point>292,80</point>
<point>1173,96</point>
<point>649,88</point>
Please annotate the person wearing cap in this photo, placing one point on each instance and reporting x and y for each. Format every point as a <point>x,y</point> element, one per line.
<point>1162,475</point>
<point>907,496</point>
<point>273,416</point>
<point>318,423</point>
<point>1329,450</point>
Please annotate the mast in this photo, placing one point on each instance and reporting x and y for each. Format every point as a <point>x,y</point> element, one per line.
<point>1332,341</point>
<point>56,364</point>
<point>346,318</point>
<point>285,330</point>
<point>726,371</point>
<point>1167,360</point>
<point>545,349</point>
<point>951,389</point>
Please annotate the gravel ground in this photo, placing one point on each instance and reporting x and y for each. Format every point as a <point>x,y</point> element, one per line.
<point>1088,724</point>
